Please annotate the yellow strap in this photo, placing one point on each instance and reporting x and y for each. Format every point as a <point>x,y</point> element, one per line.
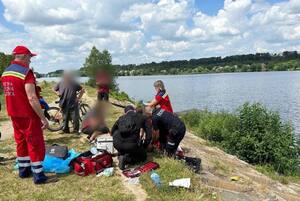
<point>13,74</point>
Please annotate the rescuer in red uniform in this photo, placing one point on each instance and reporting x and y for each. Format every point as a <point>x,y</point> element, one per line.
<point>161,98</point>
<point>26,115</point>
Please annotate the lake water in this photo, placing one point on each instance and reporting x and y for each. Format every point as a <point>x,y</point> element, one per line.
<point>278,91</point>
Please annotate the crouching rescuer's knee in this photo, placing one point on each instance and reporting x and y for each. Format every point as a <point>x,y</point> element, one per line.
<point>171,147</point>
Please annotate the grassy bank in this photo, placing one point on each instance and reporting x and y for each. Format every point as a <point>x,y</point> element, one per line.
<point>218,167</point>
<point>254,134</point>
<point>3,115</point>
<point>73,187</point>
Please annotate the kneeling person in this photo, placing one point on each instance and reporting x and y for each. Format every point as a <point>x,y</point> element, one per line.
<point>131,136</point>
<point>169,128</point>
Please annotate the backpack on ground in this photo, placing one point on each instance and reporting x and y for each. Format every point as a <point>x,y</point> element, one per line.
<point>57,151</point>
<point>87,163</point>
<point>193,163</point>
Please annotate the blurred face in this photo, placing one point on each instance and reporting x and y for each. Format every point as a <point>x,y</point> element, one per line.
<point>157,89</point>
<point>67,77</point>
<point>26,59</point>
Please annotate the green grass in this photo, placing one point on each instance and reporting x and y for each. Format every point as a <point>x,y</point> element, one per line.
<point>170,170</point>
<point>270,172</point>
<point>222,168</point>
<point>69,187</point>
<point>73,187</point>
<point>253,133</point>
<point>47,91</point>
<point>3,116</point>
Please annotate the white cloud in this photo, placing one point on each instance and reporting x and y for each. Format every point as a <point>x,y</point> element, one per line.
<point>139,31</point>
<point>41,12</point>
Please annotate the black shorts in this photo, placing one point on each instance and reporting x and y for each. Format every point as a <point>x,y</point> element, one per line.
<point>103,96</point>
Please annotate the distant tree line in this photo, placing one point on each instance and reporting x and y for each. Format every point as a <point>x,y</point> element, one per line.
<point>285,61</point>
<point>288,60</point>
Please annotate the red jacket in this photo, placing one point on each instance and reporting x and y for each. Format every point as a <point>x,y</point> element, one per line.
<point>164,101</point>
<point>103,81</point>
<point>14,79</point>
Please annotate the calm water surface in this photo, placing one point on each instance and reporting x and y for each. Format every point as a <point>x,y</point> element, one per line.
<point>278,91</point>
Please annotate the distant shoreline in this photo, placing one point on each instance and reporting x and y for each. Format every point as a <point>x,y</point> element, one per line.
<point>186,74</point>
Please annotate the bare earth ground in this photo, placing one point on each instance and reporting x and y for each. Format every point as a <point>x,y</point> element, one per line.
<point>6,130</point>
<point>217,168</point>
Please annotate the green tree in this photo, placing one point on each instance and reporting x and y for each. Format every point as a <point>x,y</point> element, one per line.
<point>96,61</point>
<point>4,61</point>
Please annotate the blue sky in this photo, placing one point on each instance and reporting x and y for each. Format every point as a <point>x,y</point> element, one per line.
<point>7,24</point>
<point>139,31</point>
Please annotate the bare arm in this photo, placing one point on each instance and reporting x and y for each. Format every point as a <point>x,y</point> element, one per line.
<point>153,103</point>
<point>56,92</point>
<point>81,92</point>
<point>35,104</point>
<point>155,135</point>
<point>56,89</point>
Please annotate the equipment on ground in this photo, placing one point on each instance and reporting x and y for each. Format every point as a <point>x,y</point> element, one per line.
<point>57,151</point>
<point>87,163</point>
<point>105,144</point>
<point>118,105</point>
<point>193,163</point>
<point>136,172</point>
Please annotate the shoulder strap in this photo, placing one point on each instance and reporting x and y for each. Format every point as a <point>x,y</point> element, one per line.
<point>16,70</point>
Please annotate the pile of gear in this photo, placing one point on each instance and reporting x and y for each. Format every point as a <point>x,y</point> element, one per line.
<point>130,140</point>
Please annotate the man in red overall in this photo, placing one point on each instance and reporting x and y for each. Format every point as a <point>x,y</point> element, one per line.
<point>26,115</point>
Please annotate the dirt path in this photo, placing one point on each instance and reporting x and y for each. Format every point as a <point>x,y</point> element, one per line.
<point>136,189</point>
<point>218,167</point>
<point>6,129</point>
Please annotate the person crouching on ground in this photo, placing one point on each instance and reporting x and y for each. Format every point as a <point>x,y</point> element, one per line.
<point>93,123</point>
<point>131,137</point>
<point>27,117</point>
<point>162,98</point>
<point>169,129</point>
<point>103,80</point>
<point>70,93</point>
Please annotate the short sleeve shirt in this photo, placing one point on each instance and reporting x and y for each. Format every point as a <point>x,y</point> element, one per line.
<point>68,94</point>
<point>164,101</point>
